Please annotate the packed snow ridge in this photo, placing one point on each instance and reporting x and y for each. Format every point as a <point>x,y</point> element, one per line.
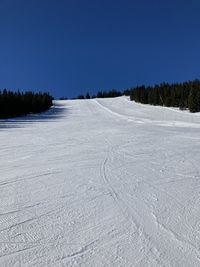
<point>101,182</point>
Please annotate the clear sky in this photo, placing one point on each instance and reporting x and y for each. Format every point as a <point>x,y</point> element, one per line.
<point>71,47</point>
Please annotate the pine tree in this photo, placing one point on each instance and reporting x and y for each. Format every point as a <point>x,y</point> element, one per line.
<point>192,103</point>
<point>87,96</point>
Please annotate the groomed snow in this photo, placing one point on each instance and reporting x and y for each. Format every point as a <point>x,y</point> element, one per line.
<point>101,182</point>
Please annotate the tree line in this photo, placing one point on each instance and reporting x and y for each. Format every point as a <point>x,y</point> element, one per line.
<point>101,94</point>
<point>13,104</point>
<point>184,95</point>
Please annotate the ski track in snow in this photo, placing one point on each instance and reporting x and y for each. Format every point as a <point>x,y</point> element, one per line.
<point>100,182</point>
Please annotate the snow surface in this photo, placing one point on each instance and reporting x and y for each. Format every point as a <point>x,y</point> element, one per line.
<point>101,182</point>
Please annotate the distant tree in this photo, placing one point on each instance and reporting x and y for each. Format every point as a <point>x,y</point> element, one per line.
<point>80,97</point>
<point>194,100</point>
<point>127,92</point>
<point>87,96</point>
<point>106,94</point>
<point>100,94</point>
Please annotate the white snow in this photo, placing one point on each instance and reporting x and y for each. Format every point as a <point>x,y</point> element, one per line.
<point>101,182</point>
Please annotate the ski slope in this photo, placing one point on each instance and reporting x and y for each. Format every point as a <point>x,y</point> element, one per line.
<point>101,182</point>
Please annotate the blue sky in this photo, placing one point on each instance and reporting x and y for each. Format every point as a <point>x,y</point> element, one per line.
<point>71,47</point>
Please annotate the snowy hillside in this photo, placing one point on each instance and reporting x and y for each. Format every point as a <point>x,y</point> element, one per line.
<point>104,182</point>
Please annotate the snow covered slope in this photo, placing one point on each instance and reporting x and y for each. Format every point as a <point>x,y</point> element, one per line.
<point>104,182</point>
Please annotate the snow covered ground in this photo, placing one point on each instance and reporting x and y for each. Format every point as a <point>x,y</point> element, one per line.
<point>104,182</point>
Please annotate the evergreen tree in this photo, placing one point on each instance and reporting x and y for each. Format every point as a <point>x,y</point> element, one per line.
<point>182,95</point>
<point>193,100</point>
<point>87,96</point>
<point>14,104</point>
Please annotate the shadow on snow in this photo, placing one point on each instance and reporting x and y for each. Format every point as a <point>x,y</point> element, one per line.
<point>54,113</point>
